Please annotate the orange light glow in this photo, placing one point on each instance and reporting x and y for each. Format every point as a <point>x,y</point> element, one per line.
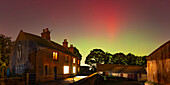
<point>78,61</point>
<point>74,60</point>
<point>78,69</point>
<point>55,55</point>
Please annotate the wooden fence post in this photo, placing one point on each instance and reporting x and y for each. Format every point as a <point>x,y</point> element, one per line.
<point>27,79</point>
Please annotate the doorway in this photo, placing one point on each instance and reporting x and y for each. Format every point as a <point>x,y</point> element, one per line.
<point>55,73</point>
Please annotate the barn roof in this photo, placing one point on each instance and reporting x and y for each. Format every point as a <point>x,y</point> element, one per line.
<point>162,46</point>
<point>115,68</point>
<point>46,43</point>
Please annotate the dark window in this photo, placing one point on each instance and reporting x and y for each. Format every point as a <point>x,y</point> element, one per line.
<point>46,67</point>
<point>66,58</point>
<point>13,69</point>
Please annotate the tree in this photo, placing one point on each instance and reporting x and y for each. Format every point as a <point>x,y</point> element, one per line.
<point>5,48</point>
<point>141,61</point>
<point>108,58</point>
<point>119,58</point>
<point>96,56</point>
<point>131,59</point>
<point>76,51</point>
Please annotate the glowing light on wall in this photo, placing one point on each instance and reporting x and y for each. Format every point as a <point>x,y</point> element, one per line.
<point>74,69</point>
<point>78,69</point>
<point>55,55</point>
<point>66,69</point>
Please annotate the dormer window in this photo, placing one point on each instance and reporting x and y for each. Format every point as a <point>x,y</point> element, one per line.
<point>55,55</point>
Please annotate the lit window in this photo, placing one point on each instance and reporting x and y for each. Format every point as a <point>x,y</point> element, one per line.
<point>78,69</point>
<point>78,61</point>
<point>55,55</point>
<point>66,69</point>
<point>74,60</point>
<point>74,69</point>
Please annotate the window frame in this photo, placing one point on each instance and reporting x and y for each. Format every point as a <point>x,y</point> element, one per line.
<point>66,59</point>
<point>74,60</point>
<point>54,57</point>
<point>74,69</point>
<point>64,69</point>
<point>78,62</point>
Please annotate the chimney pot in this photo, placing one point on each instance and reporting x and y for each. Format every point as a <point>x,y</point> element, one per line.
<point>46,34</point>
<point>65,40</point>
<point>71,48</point>
<point>65,43</point>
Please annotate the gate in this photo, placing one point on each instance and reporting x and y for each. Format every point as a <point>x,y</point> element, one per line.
<point>31,78</point>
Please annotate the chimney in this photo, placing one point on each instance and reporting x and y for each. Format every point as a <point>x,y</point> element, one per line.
<point>71,48</point>
<point>65,43</point>
<point>46,34</point>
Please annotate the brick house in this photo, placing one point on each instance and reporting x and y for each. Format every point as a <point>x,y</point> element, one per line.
<point>158,65</point>
<point>41,56</point>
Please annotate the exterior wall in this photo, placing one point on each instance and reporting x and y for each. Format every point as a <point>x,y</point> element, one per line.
<point>45,57</point>
<point>152,71</point>
<point>116,74</point>
<point>142,77</point>
<point>35,57</point>
<point>125,75</point>
<point>18,65</point>
<point>158,65</point>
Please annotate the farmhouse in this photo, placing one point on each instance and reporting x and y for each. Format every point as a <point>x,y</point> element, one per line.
<point>42,57</point>
<point>158,65</point>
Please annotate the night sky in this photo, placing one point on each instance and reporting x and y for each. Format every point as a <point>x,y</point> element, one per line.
<point>128,26</point>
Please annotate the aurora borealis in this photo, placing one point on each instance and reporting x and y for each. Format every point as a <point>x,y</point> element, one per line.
<point>128,26</point>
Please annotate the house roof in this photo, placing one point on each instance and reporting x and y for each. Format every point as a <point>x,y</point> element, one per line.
<point>46,43</point>
<point>115,68</point>
<point>168,42</point>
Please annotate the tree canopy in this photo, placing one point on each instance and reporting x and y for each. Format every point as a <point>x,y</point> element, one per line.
<point>76,51</point>
<point>5,48</point>
<point>98,56</point>
<point>95,56</point>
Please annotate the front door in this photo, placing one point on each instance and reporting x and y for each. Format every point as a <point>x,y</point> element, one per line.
<point>55,73</point>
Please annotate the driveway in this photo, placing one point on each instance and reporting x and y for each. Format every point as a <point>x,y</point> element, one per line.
<point>64,81</point>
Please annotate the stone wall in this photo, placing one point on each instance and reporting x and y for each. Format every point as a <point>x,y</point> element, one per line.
<point>93,79</point>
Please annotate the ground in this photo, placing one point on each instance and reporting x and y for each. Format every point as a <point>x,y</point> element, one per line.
<point>106,82</point>
<point>121,82</point>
